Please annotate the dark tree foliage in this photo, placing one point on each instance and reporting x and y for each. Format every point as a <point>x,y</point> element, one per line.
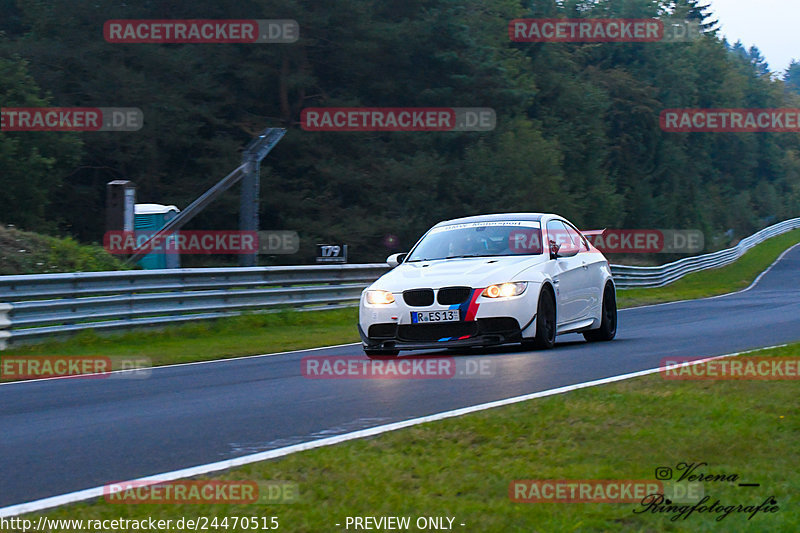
<point>792,77</point>
<point>578,124</point>
<point>32,164</point>
<point>694,10</point>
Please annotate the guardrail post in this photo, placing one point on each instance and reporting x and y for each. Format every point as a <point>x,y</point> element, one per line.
<point>5,322</point>
<point>249,196</point>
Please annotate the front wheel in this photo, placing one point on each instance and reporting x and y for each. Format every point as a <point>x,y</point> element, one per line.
<point>608,322</point>
<point>545,323</point>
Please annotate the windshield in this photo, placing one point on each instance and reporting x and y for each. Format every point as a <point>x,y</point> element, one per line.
<point>479,239</point>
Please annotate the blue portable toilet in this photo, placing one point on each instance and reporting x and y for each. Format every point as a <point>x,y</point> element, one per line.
<point>151,218</point>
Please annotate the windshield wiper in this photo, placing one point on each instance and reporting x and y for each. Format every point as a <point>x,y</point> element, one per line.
<point>470,255</point>
<point>450,257</point>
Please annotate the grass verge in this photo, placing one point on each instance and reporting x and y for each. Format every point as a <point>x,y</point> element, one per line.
<point>276,332</point>
<point>212,339</point>
<point>462,467</point>
<point>25,252</point>
<point>731,278</point>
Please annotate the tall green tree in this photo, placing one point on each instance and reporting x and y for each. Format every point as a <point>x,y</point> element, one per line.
<point>33,165</point>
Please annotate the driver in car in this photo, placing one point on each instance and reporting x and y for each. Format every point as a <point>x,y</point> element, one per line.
<point>465,246</point>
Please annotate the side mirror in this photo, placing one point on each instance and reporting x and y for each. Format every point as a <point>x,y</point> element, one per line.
<point>396,259</point>
<point>570,251</point>
<point>557,250</point>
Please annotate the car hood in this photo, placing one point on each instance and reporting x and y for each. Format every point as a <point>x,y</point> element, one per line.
<point>472,272</point>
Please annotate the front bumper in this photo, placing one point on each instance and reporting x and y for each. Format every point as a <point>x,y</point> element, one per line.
<point>484,322</point>
<point>481,332</point>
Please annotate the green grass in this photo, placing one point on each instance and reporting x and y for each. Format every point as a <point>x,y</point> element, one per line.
<point>462,467</point>
<point>25,252</point>
<point>275,332</point>
<point>723,280</point>
<point>212,339</point>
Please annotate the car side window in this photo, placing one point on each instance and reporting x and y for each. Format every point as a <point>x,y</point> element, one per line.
<point>577,239</point>
<point>557,233</point>
<point>563,235</point>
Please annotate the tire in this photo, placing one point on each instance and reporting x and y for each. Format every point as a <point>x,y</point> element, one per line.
<point>545,322</point>
<point>381,354</point>
<point>608,323</point>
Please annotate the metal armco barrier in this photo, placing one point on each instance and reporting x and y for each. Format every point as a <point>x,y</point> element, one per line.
<point>44,305</point>
<point>627,277</point>
<point>4,323</point>
<point>37,306</point>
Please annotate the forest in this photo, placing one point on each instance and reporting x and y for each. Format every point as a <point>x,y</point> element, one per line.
<point>577,124</point>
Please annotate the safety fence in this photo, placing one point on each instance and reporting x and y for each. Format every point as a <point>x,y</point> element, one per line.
<point>41,305</point>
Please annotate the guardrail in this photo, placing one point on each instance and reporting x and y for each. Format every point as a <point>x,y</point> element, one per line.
<point>42,305</point>
<point>627,277</point>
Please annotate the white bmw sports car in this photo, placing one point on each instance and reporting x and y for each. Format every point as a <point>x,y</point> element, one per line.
<point>489,280</point>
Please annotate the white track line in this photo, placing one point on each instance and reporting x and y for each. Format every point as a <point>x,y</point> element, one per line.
<point>81,376</point>
<point>198,470</point>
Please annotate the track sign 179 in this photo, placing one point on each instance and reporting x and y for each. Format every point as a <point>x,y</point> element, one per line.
<point>331,253</point>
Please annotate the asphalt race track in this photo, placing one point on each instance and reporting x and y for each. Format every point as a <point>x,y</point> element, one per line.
<point>59,436</point>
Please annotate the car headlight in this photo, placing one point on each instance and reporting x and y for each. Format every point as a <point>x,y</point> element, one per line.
<point>505,290</point>
<point>380,297</point>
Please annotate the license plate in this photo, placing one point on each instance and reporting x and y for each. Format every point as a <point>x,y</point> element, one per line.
<point>420,317</point>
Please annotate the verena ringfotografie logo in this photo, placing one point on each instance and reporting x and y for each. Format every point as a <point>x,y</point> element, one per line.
<point>201,31</point>
<point>358,367</point>
<point>734,368</point>
<point>548,30</point>
<point>71,119</point>
<point>182,492</point>
<point>691,477</point>
<point>398,119</point>
<point>202,242</point>
<point>18,367</point>
<point>730,120</point>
